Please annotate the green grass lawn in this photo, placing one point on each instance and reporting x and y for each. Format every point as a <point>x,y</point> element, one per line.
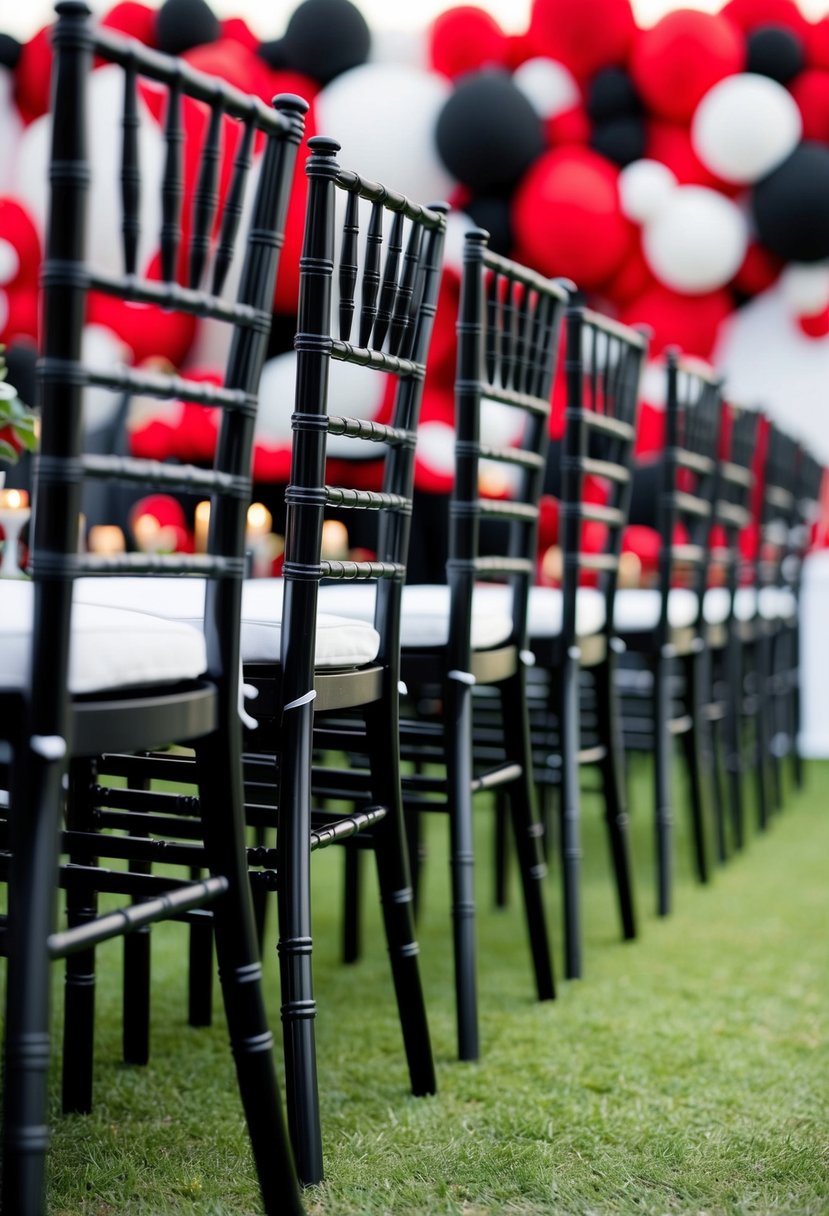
<point>687,1073</point>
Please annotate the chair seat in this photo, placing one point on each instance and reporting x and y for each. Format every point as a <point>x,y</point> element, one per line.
<point>545,615</point>
<point>772,604</point>
<point>111,647</point>
<point>637,609</point>
<point>425,613</point>
<point>341,641</point>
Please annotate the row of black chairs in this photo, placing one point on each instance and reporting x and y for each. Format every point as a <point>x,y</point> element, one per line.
<point>340,681</point>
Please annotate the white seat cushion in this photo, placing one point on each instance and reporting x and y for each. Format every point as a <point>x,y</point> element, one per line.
<point>110,648</point>
<point>637,609</point>
<point>773,603</point>
<point>425,613</point>
<point>545,615</point>
<point>340,641</point>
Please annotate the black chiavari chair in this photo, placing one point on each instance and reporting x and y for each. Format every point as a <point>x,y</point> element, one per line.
<point>575,711</point>
<point>467,639</point>
<point>325,682</point>
<point>81,679</point>
<point>726,626</point>
<point>664,627</point>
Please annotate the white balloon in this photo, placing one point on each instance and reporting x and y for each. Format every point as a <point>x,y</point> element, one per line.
<point>698,242</point>
<point>548,85</point>
<point>9,261</point>
<point>397,147</point>
<point>745,126</point>
<point>436,447</point>
<point>11,125</point>
<point>645,190</point>
<point>353,392</point>
<point>105,351</point>
<point>805,287</point>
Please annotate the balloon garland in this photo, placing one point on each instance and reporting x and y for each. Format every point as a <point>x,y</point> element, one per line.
<point>678,174</point>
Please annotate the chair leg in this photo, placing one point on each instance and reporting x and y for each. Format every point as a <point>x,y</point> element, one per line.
<point>608,722</point>
<point>34,820</point>
<point>222,811</point>
<point>351,904</point>
<point>500,850</point>
<point>663,800</point>
<point>79,981</point>
<point>200,969</point>
<point>397,899</point>
<point>713,770</point>
<point>458,718</point>
<point>733,730</point>
<point>135,997</point>
<point>762,727</point>
<point>294,947</point>
<point>570,814</point>
<point>796,709</point>
<point>528,831</point>
<point>693,744</point>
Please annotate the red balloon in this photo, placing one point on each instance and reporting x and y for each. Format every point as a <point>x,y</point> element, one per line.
<point>134,19</point>
<point>816,325</point>
<point>583,34</point>
<point>568,127</point>
<point>33,75</point>
<point>632,278</point>
<point>817,44</point>
<point>679,59</point>
<point>650,429</point>
<point>752,14</point>
<point>465,38</point>
<point>689,322</point>
<point>810,89</point>
<point>238,29</point>
<point>567,218</point>
<point>760,269</point>
<point>18,229</point>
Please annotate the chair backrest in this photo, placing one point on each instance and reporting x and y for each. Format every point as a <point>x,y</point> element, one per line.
<point>217,235</point>
<point>603,366</point>
<point>734,482</point>
<point>689,473</point>
<point>779,511</point>
<point>397,268</point>
<point>509,320</point>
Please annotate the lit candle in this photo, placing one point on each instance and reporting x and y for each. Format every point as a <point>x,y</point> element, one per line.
<point>151,537</point>
<point>259,521</point>
<point>201,526</point>
<point>106,539</point>
<point>13,500</point>
<point>334,540</point>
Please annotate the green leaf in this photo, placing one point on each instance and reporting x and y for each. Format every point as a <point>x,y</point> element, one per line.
<point>8,453</point>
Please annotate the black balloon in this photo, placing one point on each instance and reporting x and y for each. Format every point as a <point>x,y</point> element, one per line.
<point>182,24</point>
<point>10,50</point>
<point>493,213</point>
<point>325,38</point>
<point>488,133</point>
<point>789,206</point>
<point>622,139</point>
<point>21,362</point>
<point>774,51</point>
<point>610,93</point>
<point>273,53</point>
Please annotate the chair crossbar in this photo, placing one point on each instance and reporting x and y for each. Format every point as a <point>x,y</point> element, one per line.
<point>685,458</point>
<point>158,67</point>
<point>614,517</point>
<point>593,467</point>
<point>360,428</point>
<point>374,192</point>
<point>361,570</point>
<point>367,500</point>
<point>136,916</point>
<point>498,508</point>
<point>509,396</point>
<point>504,774</point>
<point>492,567</point>
<point>148,384</point>
<point>523,460</point>
<point>364,356</point>
<point>604,424</point>
<point>203,564</point>
<point>172,295</point>
<point>129,848</point>
<point>110,796</point>
<point>689,504</point>
<point>174,477</point>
